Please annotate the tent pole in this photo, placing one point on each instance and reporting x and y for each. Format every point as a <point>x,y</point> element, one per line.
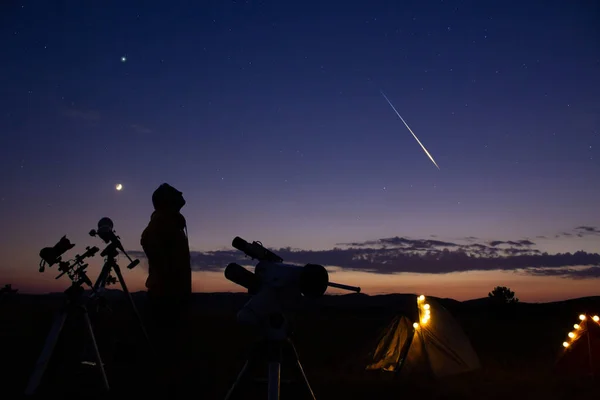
<point>590,350</point>
<point>404,352</point>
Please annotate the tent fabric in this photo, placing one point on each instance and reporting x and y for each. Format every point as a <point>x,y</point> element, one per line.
<point>582,356</point>
<point>437,346</point>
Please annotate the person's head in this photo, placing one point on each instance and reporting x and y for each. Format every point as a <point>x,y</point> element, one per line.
<point>167,198</point>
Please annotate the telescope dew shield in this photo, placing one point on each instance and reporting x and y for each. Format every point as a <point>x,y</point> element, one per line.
<point>105,229</point>
<point>241,276</point>
<point>314,280</point>
<point>255,250</point>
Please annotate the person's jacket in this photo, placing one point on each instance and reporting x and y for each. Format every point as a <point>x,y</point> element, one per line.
<point>166,246</point>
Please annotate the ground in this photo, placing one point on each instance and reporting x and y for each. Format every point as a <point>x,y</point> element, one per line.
<point>517,347</point>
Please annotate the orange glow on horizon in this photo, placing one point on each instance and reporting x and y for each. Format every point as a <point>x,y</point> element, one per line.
<point>459,286</point>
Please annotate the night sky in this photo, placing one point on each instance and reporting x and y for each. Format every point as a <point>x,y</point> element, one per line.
<point>269,117</point>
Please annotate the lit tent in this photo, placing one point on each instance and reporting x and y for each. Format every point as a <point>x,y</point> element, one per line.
<point>581,350</point>
<point>425,340</point>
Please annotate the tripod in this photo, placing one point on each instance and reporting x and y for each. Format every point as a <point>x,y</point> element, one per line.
<point>74,305</point>
<point>274,346</point>
<point>105,278</point>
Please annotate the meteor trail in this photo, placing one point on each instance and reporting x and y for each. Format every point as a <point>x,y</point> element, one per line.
<point>405,124</point>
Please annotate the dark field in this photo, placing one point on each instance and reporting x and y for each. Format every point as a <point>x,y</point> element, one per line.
<point>517,347</point>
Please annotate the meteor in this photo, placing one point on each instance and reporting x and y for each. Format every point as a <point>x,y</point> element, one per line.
<point>405,124</point>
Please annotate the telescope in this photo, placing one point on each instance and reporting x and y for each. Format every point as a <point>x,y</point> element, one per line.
<point>107,233</point>
<point>75,269</point>
<point>275,286</point>
<point>310,280</point>
<point>53,255</point>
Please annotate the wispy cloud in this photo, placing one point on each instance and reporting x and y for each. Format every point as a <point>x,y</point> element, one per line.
<point>401,254</point>
<point>141,129</point>
<point>580,231</point>
<point>574,273</point>
<point>587,230</point>
<point>86,115</point>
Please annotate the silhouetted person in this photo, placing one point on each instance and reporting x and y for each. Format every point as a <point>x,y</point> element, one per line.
<point>169,280</point>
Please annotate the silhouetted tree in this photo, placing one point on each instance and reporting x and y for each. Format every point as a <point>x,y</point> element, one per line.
<point>502,294</point>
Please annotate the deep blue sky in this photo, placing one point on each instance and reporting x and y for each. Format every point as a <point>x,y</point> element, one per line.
<point>269,117</point>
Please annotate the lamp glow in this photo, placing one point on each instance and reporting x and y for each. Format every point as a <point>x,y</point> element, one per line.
<point>571,335</point>
<point>596,318</point>
<point>565,344</point>
<point>576,326</point>
<point>582,317</point>
<point>415,325</point>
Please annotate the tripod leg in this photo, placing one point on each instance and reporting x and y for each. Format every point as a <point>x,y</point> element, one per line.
<point>274,380</point>
<point>251,360</point>
<point>90,329</point>
<point>238,380</point>
<point>274,358</point>
<point>135,311</point>
<point>299,365</point>
<point>44,358</point>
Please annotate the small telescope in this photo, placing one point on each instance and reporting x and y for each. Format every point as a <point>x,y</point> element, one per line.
<point>53,255</point>
<point>107,233</point>
<point>76,269</point>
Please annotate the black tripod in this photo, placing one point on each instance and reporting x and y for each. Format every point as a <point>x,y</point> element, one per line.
<point>74,306</point>
<point>276,347</point>
<point>105,278</point>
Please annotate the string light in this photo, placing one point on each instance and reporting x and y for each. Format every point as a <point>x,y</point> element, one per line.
<point>573,335</point>
<point>415,325</point>
<point>425,310</point>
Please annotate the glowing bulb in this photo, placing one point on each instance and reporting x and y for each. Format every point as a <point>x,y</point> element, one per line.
<point>421,298</point>
<point>582,317</point>
<point>571,335</point>
<point>415,325</point>
<point>119,187</point>
<point>576,326</point>
<point>596,318</point>
<point>426,306</point>
<point>123,59</point>
<point>427,312</point>
<point>565,344</point>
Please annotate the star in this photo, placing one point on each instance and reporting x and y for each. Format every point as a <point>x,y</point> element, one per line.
<point>123,59</point>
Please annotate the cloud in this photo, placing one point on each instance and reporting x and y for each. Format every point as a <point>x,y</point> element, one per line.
<point>86,115</point>
<point>401,254</point>
<point>518,243</point>
<point>587,230</point>
<point>580,231</point>
<point>574,273</point>
<point>141,129</point>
